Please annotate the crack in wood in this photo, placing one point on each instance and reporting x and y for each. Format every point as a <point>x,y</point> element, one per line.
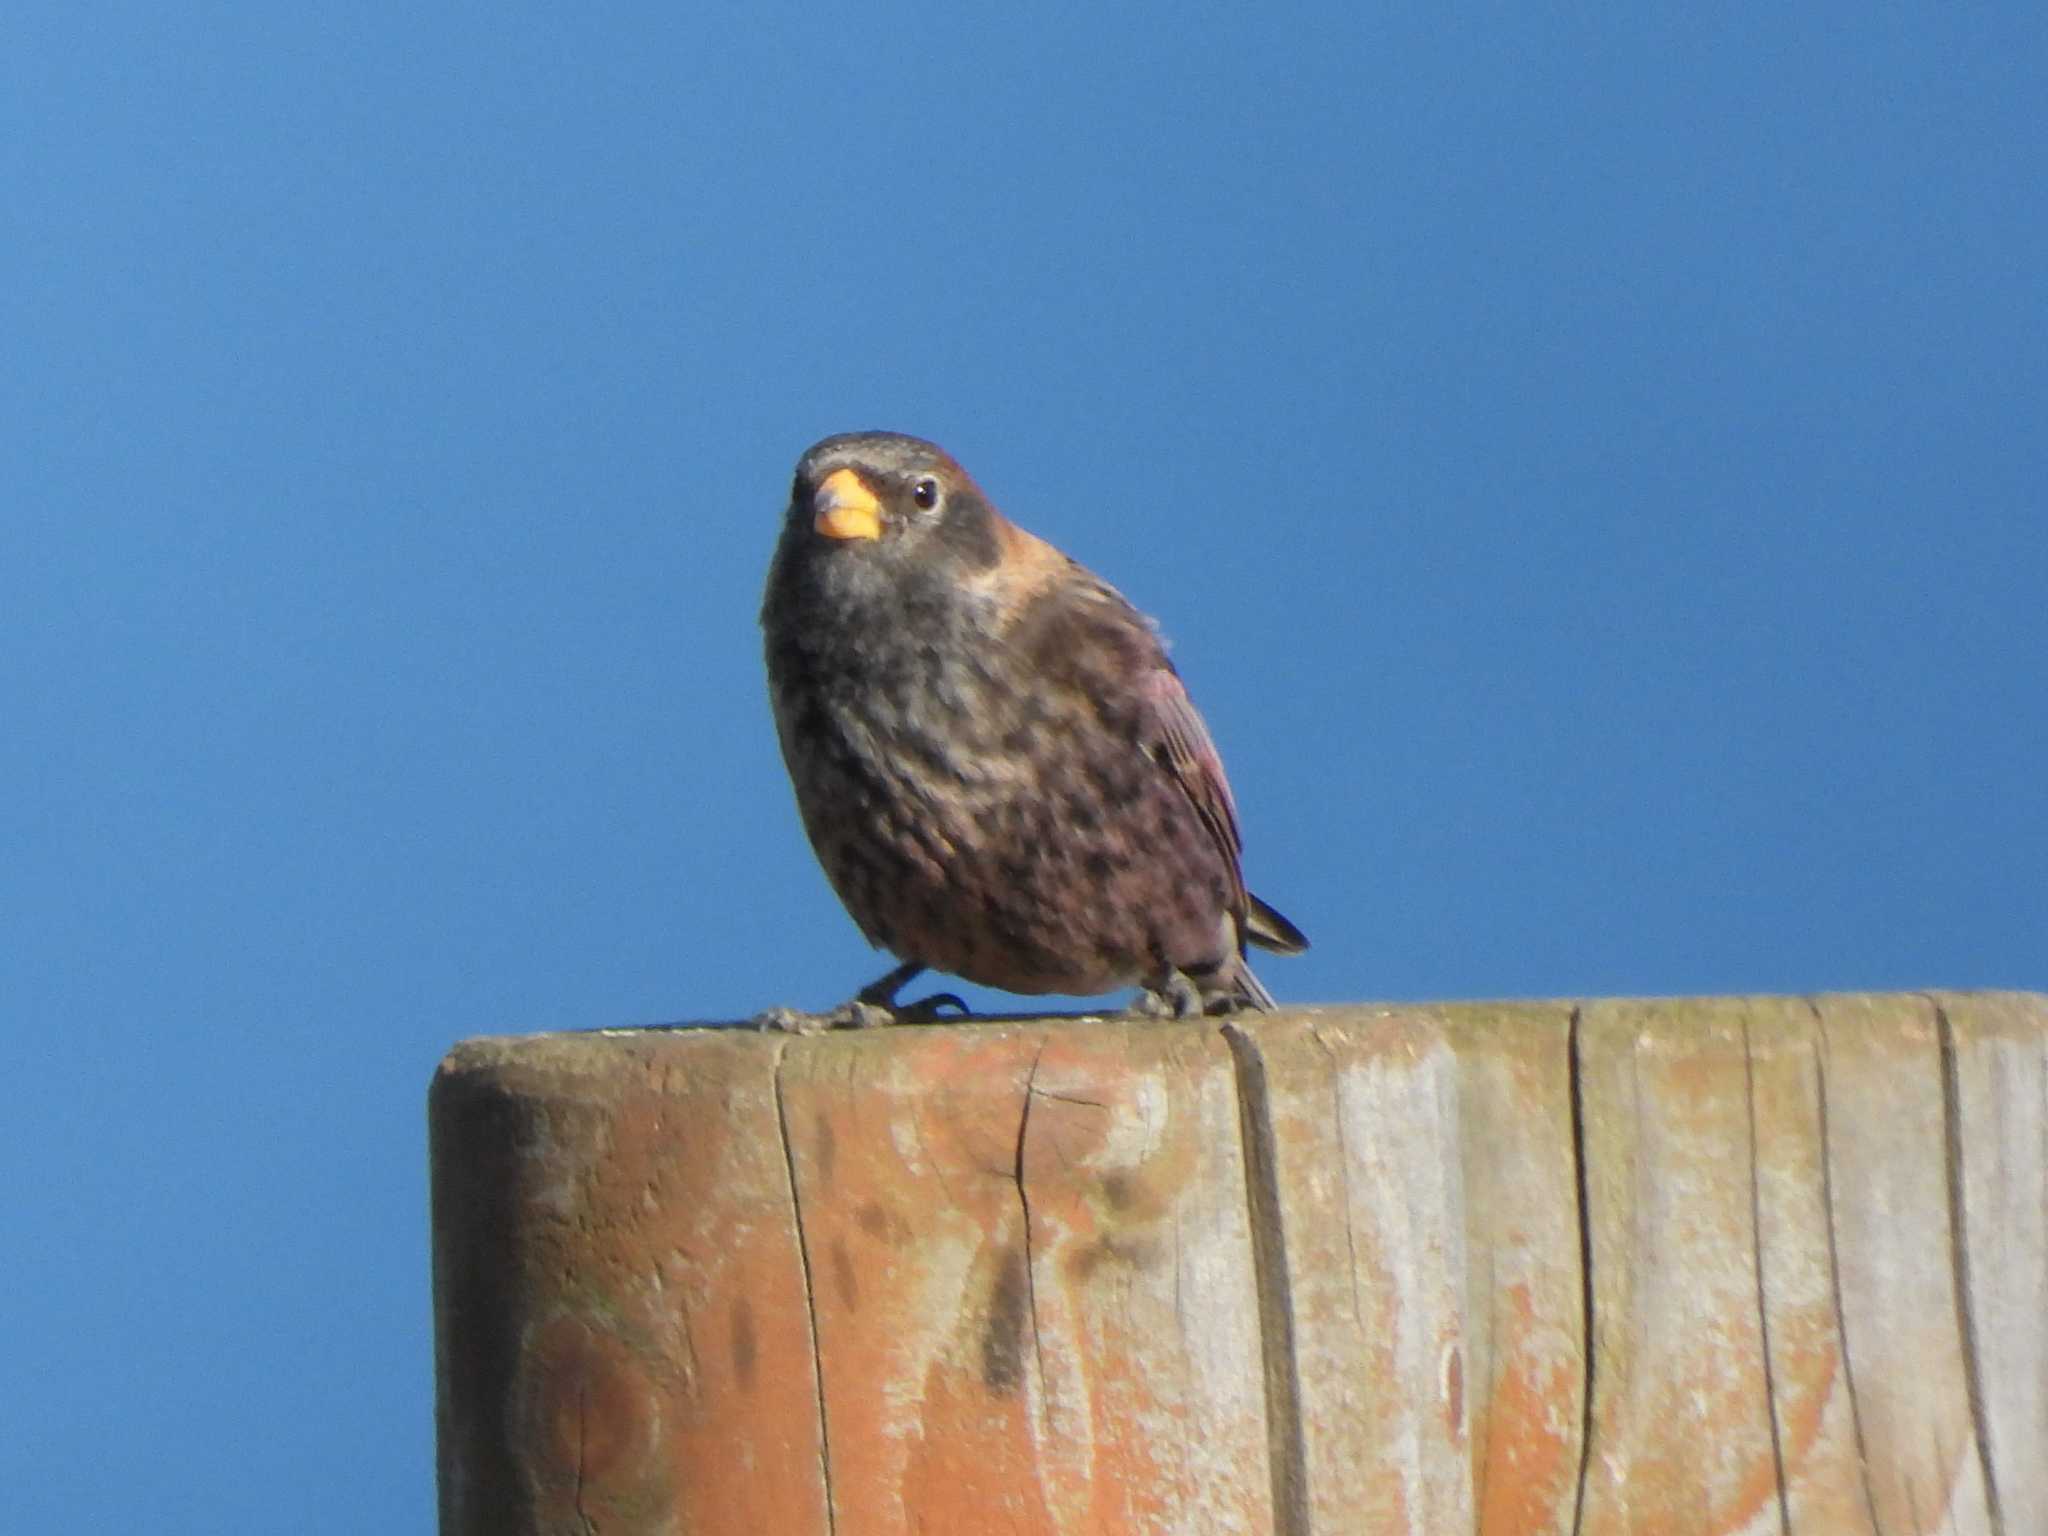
<point>1959,1255</point>
<point>1827,1205</point>
<point>1287,1452</point>
<point>1589,1352</point>
<point>1024,1204</point>
<point>803,1250</point>
<point>1763,1308</point>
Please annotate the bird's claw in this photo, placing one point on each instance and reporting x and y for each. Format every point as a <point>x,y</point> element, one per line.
<point>869,1013</point>
<point>930,1010</point>
<point>876,1004</point>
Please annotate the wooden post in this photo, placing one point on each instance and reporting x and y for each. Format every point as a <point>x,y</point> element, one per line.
<point>1718,1266</point>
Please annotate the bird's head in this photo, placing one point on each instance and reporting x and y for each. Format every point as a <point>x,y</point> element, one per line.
<point>881,504</point>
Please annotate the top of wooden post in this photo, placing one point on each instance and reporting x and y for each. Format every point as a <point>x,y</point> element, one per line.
<point>1721,1265</point>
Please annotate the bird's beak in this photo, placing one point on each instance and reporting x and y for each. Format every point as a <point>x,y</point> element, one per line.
<point>846,508</point>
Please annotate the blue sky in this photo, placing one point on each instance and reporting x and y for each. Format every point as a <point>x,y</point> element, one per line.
<point>1590,464</point>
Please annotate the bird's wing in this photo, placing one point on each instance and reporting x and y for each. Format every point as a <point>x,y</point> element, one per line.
<point>1180,744</point>
<point>1191,757</point>
<point>1082,635</point>
<point>1183,748</point>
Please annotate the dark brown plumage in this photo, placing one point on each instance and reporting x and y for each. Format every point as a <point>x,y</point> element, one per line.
<point>996,763</point>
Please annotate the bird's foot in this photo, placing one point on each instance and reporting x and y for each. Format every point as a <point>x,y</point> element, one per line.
<point>875,1004</point>
<point>866,1013</point>
<point>932,1010</point>
<point>1178,995</point>
<point>860,1013</point>
<point>881,992</point>
<point>1175,996</point>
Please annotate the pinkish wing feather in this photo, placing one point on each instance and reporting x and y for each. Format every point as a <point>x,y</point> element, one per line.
<point>1187,752</point>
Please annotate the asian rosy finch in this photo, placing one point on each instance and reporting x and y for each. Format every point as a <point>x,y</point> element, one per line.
<point>995,760</point>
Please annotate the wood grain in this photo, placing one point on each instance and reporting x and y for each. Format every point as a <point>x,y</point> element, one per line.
<point>1423,1195</point>
<point>1995,1052</point>
<point>1682,1430</point>
<point>618,1291</point>
<point>1707,1267</point>
<point>1885,1140</point>
<point>1814,1419</point>
<point>1033,1280</point>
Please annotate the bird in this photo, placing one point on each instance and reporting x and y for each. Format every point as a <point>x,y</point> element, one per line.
<point>996,763</point>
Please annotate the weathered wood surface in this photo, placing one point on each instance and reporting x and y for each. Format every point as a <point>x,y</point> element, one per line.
<point>1328,1271</point>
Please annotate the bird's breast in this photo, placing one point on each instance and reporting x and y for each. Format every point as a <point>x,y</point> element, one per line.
<point>918,682</point>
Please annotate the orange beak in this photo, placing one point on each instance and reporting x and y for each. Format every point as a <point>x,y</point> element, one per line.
<point>847,509</point>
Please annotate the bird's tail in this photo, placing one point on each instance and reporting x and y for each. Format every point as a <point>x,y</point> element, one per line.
<point>1251,990</point>
<point>1266,928</point>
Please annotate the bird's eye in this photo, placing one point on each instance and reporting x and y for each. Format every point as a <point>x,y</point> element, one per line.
<point>925,493</point>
